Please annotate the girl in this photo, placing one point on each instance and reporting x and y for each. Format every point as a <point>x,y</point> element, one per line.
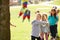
<point>57,11</point>
<point>36,28</point>
<point>45,27</point>
<point>53,19</point>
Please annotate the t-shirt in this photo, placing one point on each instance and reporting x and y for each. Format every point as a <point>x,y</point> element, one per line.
<point>52,20</point>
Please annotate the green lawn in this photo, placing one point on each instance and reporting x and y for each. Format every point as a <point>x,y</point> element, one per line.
<point>57,2</point>
<point>22,31</point>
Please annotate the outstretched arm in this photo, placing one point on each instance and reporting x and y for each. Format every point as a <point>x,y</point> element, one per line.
<point>34,22</point>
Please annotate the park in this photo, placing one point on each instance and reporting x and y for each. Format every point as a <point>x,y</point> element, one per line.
<point>22,31</point>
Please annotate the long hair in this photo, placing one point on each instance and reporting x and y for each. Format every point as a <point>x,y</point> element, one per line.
<point>54,13</point>
<point>43,16</point>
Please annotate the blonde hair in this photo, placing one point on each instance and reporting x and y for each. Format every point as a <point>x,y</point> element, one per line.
<point>43,16</point>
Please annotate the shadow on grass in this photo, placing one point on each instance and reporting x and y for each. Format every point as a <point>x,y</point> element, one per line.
<point>58,38</point>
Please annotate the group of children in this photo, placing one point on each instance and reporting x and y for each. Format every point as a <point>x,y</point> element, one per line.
<point>45,25</point>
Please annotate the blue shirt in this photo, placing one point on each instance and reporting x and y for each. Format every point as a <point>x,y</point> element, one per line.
<point>52,20</point>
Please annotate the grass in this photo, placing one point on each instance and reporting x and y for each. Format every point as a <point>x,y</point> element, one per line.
<point>22,31</point>
<point>56,2</point>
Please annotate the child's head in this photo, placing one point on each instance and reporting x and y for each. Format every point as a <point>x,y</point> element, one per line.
<point>38,17</point>
<point>44,17</point>
<point>53,12</point>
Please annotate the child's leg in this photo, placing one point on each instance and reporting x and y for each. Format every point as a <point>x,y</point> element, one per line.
<point>53,31</point>
<point>24,18</point>
<point>38,38</point>
<point>57,31</point>
<point>28,18</point>
<point>32,38</point>
<point>42,36</point>
<point>46,36</point>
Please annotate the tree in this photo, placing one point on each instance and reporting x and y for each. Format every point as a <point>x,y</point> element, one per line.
<point>4,20</point>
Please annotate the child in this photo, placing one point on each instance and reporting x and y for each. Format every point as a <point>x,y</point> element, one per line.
<point>57,11</point>
<point>45,27</point>
<point>36,28</point>
<point>53,19</point>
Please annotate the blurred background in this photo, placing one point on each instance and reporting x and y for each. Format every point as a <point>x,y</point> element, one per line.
<point>19,2</point>
<point>22,31</point>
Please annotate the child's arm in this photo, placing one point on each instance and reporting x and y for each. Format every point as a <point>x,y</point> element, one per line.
<point>12,25</point>
<point>47,24</point>
<point>34,22</point>
<point>48,27</point>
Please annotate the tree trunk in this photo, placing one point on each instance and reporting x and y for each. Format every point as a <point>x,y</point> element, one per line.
<point>4,20</point>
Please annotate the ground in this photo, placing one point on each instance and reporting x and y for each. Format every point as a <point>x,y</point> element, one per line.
<point>22,31</point>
